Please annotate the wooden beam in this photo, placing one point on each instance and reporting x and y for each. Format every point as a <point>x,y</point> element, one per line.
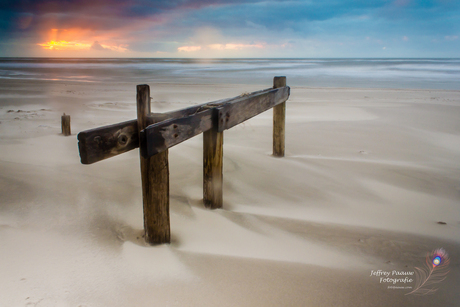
<point>163,135</point>
<point>155,181</point>
<point>108,141</point>
<point>279,119</point>
<point>245,107</point>
<point>192,110</point>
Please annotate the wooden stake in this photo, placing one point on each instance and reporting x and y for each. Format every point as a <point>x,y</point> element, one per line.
<point>155,181</point>
<point>212,168</point>
<point>279,118</point>
<point>65,124</point>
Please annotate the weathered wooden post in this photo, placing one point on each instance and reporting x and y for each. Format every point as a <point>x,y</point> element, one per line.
<point>65,124</point>
<point>213,142</point>
<point>154,133</point>
<point>155,180</point>
<point>279,118</point>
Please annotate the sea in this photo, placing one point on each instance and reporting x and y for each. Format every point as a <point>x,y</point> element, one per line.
<point>416,73</point>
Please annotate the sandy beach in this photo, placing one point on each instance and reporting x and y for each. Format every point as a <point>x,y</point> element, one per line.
<point>370,181</point>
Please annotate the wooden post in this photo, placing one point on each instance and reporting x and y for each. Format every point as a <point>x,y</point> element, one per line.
<point>212,168</point>
<point>65,124</point>
<point>155,181</point>
<point>279,118</point>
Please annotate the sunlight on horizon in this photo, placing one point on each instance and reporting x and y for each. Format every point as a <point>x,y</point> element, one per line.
<point>75,39</point>
<point>64,45</point>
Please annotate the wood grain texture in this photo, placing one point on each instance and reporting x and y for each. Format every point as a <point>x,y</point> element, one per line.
<point>156,198</point>
<point>246,107</point>
<point>108,141</point>
<point>165,134</point>
<point>279,81</point>
<point>155,181</point>
<point>279,121</point>
<point>213,168</point>
<point>65,125</point>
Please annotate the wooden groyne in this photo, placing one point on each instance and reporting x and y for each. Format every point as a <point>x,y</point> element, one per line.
<point>155,133</point>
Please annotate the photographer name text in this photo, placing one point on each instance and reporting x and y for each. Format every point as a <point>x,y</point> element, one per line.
<point>396,276</point>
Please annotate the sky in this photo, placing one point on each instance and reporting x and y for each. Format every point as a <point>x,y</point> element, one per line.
<point>230,28</point>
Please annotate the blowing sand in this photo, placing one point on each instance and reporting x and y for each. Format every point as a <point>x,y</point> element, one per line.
<point>370,182</point>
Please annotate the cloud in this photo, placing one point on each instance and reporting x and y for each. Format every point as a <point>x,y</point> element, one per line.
<point>97,46</point>
<point>256,14</point>
<point>189,48</point>
<point>220,47</point>
<point>254,25</point>
<point>234,46</point>
<point>402,2</point>
<point>178,26</point>
<point>23,20</point>
<point>64,45</point>
<point>103,47</point>
<point>120,48</point>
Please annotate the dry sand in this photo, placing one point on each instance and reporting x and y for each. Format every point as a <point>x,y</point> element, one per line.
<point>367,176</point>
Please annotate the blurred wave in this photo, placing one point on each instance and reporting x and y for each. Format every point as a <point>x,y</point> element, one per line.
<point>355,73</point>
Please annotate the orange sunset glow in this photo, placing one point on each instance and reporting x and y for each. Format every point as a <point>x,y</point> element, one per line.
<point>77,39</point>
<point>64,45</point>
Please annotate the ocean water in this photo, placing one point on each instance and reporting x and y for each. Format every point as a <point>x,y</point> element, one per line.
<point>354,73</point>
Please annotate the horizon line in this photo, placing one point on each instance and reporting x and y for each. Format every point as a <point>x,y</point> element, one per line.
<point>226,58</point>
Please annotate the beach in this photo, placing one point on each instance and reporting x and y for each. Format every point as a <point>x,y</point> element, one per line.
<point>370,182</point>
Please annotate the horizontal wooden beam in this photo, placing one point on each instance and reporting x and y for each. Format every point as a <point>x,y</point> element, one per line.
<point>161,136</point>
<point>243,108</point>
<point>172,128</point>
<point>108,141</point>
<point>103,142</point>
